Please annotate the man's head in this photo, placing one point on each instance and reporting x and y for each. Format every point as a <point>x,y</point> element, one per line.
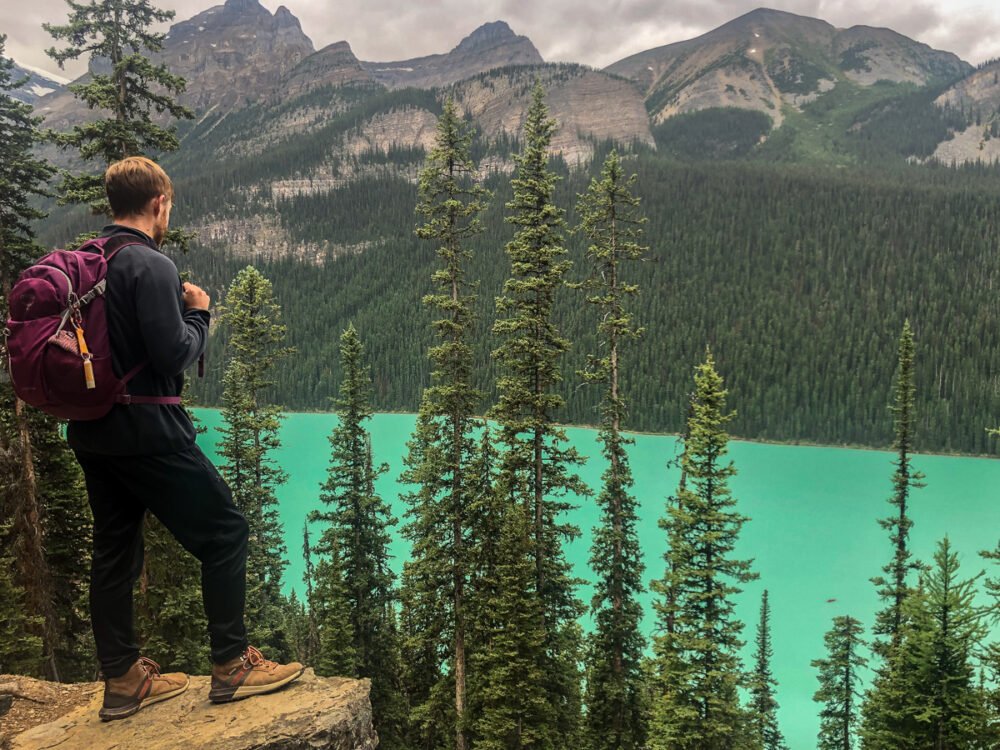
<point>141,195</point>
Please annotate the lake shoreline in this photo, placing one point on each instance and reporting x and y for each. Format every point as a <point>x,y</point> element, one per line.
<point>734,438</point>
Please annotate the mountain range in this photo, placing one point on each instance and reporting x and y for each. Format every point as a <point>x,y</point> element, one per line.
<point>36,84</point>
<point>758,74</point>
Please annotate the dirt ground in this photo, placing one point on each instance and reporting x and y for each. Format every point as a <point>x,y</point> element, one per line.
<point>37,702</point>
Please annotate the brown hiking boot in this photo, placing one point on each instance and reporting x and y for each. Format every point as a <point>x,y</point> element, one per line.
<point>250,674</point>
<point>140,686</point>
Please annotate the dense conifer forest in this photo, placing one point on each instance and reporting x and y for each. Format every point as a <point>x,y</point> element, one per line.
<point>799,278</point>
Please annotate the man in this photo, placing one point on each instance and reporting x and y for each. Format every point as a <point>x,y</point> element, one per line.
<point>143,457</point>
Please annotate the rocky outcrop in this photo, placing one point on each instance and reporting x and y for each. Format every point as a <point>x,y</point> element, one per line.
<point>588,106</point>
<point>406,128</point>
<point>313,712</point>
<point>979,91</point>
<point>235,53</point>
<point>974,144</point>
<point>262,238</point>
<point>867,55</point>
<point>230,55</point>
<point>334,65</point>
<point>401,128</point>
<point>978,96</point>
<point>493,45</point>
<point>767,60</point>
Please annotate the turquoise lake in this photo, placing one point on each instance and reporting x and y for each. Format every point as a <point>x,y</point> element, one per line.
<point>813,532</point>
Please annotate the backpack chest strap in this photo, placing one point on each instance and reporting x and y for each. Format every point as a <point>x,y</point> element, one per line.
<point>127,400</point>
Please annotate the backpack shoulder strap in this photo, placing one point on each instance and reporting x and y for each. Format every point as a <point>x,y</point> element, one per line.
<point>109,247</point>
<point>118,242</point>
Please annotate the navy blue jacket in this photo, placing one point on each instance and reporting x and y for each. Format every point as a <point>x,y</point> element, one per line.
<point>146,320</point>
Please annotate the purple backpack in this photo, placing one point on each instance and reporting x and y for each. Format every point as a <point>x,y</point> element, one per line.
<point>57,344</point>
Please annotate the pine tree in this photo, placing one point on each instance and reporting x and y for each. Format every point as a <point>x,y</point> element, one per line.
<point>437,463</point>
<point>840,682</point>
<point>297,627</point>
<point>893,586</point>
<point>40,486</point>
<point>358,523</point>
<point>486,511</point>
<point>249,440</point>
<point>427,634</point>
<point>67,525</point>
<point>20,649</point>
<point>763,706</point>
<point>536,468</point>
<point>513,710</point>
<point>311,647</point>
<point>429,694</point>
<point>990,673</point>
<point>698,664</point>
<point>610,220</point>
<point>928,696</point>
<point>135,93</point>
<point>331,608</point>
<point>23,177</point>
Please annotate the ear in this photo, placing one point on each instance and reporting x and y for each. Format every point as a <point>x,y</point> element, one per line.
<point>159,204</point>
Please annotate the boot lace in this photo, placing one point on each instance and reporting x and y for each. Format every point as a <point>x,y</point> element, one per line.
<point>255,658</point>
<point>151,667</point>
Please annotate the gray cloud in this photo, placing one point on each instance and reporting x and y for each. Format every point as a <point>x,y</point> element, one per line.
<point>595,32</point>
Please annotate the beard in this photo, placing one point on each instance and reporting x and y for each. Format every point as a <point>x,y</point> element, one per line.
<point>159,232</point>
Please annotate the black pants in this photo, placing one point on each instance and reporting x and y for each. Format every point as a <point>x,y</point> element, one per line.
<point>187,494</point>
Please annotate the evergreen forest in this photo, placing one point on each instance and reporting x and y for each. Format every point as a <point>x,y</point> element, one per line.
<point>798,278</point>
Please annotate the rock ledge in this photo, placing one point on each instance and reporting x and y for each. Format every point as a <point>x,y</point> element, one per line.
<point>313,713</point>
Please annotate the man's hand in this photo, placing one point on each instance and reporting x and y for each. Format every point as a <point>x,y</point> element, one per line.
<point>195,297</point>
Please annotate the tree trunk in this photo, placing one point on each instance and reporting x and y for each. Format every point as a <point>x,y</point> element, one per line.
<point>27,527</point>
<point>539,489</point>
<point>458,506</point>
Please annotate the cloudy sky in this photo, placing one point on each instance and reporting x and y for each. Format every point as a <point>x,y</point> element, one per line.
<point>594,32</point>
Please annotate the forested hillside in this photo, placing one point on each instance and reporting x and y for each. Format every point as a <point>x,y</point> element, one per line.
<point>799,280</point>
<point>795,252</point>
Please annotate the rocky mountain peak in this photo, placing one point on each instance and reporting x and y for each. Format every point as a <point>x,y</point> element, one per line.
<point>772,15</point>
<point>252,7</point>
<point>492,45</point>
<point>334,65</point>
<point>778,26</point>
<point>342,47</point>
<point>235,53</point>
<point>487,35</point>
<point>285,18</point>
<point>768,60</point>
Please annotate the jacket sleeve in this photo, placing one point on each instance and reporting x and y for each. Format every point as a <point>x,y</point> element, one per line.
<point>175,338</point>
